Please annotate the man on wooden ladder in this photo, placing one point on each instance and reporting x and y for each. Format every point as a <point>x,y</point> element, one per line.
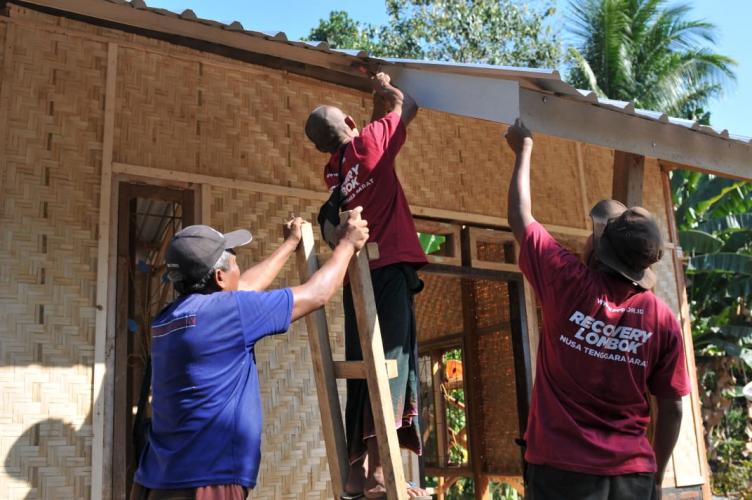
<point>362,167</point>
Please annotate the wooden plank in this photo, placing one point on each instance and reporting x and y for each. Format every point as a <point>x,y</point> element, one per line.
<point>531,323</point>
<point>627,185</point>
<point>583,184</point>
<point>378,381</point>
<point>439,405</point>
<point>471,376</point>
<point>478,235</point>
<point>452,234</point>
<point>103,263</point>
<point>581,121</point>
<point>308,194</point>
<point>695,406</point>
<point>357,369</point>
<point>205,204</point>
<point>323,370</point>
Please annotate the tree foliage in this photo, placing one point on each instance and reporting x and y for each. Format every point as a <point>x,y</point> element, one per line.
<point>713,217</point>
<point>647,52</point>
<point>501,32</point>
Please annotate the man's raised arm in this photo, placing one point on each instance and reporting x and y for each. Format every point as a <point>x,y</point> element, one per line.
<point>387,98</point>
<point>519,205</point>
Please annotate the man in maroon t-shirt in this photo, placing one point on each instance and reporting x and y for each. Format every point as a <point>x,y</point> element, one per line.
<point>607,341</point>
<point>361,165</point>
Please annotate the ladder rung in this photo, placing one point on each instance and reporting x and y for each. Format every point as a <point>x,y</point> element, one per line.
<point>357,369</point>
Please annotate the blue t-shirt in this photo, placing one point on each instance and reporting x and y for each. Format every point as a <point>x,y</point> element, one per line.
<point>206,410</point>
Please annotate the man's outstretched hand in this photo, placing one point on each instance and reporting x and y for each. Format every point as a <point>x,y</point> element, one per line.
<point>519,137</point>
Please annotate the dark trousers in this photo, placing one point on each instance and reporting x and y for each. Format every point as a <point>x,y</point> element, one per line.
<point>549,483</point>
<point>393,289</point>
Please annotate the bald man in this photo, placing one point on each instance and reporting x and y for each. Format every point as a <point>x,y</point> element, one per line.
<point>361,165</point>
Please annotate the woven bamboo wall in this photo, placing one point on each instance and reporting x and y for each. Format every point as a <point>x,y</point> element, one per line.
<point>294,463</point>
<point>51,148</point>
<point>184,110</point>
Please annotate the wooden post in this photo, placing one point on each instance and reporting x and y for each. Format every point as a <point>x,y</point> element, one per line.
<point>439,405</point>
<point>687,334</point>
<point>323,371</point>
<point>100,459</point>
<point>627,180</point>
<point>378,381</point>
<point>471,376</point>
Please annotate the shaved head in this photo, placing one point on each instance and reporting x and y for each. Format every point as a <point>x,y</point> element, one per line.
<point>328,128</point>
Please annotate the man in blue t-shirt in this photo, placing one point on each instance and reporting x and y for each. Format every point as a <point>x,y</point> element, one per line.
<point>205,436</point>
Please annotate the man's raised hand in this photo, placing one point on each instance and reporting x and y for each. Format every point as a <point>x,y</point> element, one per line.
<point>519,137</point>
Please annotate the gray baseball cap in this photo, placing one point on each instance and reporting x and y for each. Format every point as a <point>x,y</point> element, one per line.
<point>194,250</point>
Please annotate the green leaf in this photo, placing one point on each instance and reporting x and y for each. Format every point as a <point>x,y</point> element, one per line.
<point>742,334</point>
<point>721,263</point>
<point>695,242</point>
<point>741,287</point>
<point>431,243</point>
<point>732,222</point>
<point>729,348</point>
<point>736,391</point>
<point>746,356</point>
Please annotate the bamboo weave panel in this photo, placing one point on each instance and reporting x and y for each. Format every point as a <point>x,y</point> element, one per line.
<point>294,463</point>
<point>48,243</point>
<point>438,308</point>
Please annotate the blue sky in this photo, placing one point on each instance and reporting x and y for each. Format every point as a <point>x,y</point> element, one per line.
<point>296,17</point>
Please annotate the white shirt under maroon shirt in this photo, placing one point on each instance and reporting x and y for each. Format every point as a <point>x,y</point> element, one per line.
<point>605,343</point>
<point>369,180</point>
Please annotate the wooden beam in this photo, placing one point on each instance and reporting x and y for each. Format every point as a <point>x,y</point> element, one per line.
<point>103,269</point>
<point>696,406</point>
<point>471,376</point>
<point>583,183</point>
<point>452,234</point>
<point>582,121</point>
<point>323,370</point>
<point>372,348</point>
<point>628,176</point>
<point>532,327</point>
<point>439,407</point>
<point>357,370</point>
<point>310,194</point>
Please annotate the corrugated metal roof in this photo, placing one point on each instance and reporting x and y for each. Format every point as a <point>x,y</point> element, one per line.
<point>535,78</point>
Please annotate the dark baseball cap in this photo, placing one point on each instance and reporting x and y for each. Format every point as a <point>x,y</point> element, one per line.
<point>627,240</point>
<point>194,250</point>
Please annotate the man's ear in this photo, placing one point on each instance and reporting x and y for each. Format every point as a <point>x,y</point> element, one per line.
<point>220,279</point>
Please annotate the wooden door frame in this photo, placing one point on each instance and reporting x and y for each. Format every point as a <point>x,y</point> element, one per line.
<point>125,189</point>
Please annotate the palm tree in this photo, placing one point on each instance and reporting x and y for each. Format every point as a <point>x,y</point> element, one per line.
<point>646,52</point>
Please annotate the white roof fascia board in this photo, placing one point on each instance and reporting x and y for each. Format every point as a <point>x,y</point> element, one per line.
<point>474,96</point>
<point>613,129</point>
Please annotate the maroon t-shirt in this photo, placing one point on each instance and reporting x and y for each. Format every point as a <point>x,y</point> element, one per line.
<point>605,343</point>
<point>369,180</point>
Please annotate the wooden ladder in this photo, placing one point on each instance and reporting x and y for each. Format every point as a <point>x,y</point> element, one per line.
<point>374,368</point>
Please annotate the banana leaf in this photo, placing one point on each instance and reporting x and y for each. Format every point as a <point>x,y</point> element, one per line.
<point>695,242</point>
<point>721,263</point>
<point>431,242</point>
<point>733,222</point>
